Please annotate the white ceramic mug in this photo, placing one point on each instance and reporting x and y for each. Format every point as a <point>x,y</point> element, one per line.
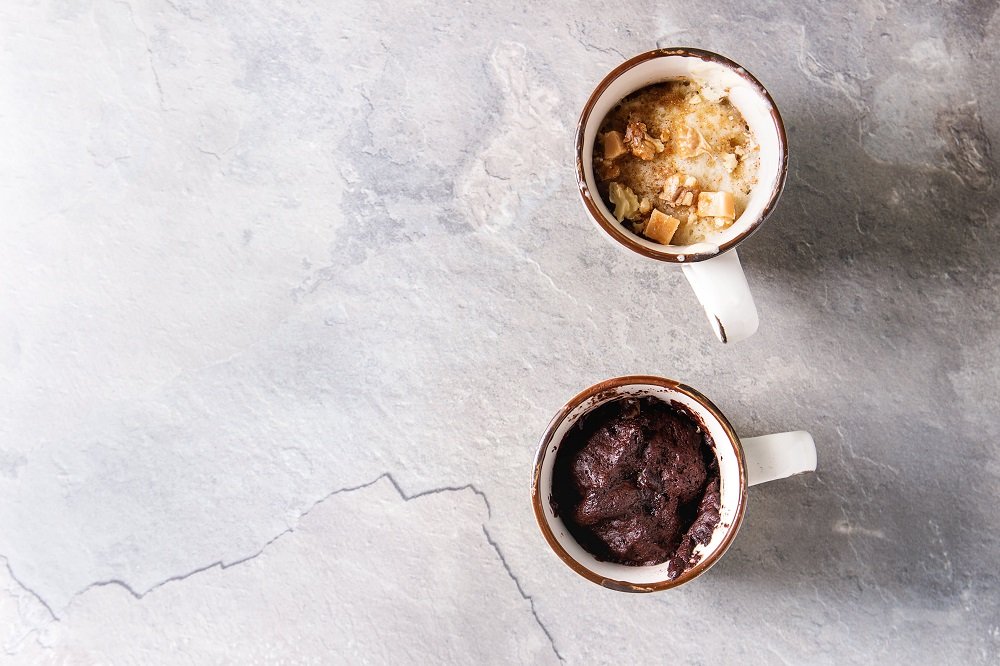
<point>713,269</point>
<point>742,463</point>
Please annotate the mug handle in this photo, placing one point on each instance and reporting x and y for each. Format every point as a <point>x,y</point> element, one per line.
<point>772,457</point>
<point>721,286</point>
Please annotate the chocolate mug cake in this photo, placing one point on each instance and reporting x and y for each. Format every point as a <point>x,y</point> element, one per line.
<point>637,482</point>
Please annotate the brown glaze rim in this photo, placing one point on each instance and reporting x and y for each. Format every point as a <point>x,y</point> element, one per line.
<point>624,237</point>
<point>613,386</point>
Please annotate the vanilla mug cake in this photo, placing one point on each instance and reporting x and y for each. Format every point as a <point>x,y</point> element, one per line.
<point>677,162</point>
<point>680,156</point>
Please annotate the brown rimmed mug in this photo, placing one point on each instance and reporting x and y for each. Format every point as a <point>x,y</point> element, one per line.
<point>713,269</point>
<point>742,463</point>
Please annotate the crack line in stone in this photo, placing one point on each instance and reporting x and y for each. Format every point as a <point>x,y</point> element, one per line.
<point>226,565</point>
<point>222,565</point>
<point>28,589</point>
<point>527,597</point>
<point>149,51</point>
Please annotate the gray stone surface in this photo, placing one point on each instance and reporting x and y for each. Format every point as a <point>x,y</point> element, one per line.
<point>257,256</point>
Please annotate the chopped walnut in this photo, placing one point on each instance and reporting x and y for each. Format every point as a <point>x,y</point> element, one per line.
<point>680,190</point>
<point>625,201</point>
<point>641,144</point>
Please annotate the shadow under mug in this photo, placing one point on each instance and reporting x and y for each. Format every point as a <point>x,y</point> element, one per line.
<point>742,463</point>
<point>713,269</point>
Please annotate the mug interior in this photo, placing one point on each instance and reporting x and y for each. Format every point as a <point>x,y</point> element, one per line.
<point>732,473</point>
<point>745,93</point>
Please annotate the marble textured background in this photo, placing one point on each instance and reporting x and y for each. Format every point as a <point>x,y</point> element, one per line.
<point>289,290</point>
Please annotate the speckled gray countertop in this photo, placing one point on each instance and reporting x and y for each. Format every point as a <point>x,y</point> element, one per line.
<point>288,292</point>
